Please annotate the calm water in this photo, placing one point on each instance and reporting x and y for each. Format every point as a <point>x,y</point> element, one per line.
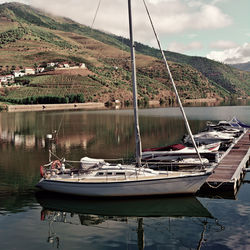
<point>34,220</point>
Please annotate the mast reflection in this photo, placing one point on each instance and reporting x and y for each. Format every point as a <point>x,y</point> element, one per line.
<point>161,215</point>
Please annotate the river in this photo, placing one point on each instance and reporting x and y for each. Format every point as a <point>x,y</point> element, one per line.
<point>220,222</point>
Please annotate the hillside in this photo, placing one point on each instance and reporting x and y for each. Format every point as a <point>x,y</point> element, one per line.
<point>242,66</point>
<point>30,37</point>
<point>218,74</point>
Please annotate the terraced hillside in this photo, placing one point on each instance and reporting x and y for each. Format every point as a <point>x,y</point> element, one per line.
<point>30,37</point>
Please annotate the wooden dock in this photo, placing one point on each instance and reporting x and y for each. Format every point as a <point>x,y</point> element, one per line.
<point>229,172</point>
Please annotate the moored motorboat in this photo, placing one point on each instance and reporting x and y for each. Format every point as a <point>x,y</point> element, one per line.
<point>210,137</point>
<point>180,149</point>
<point>225,127</point>
<point>234,123</point>
<point>178,153</point>
<point>240,123</point>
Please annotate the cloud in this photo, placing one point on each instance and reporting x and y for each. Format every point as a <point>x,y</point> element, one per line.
<point>210,17</point>
<point>191,36</point>
<point>169,16</point>
<point>181,48</point>
<point>177,17</point>
<point>240,54</point>
<point>214,2</point>
<point>221,44</point>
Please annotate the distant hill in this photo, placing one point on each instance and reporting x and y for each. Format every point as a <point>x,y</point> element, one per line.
<point>30,37</point>
<point>219,74</point>
<point>242,66</point>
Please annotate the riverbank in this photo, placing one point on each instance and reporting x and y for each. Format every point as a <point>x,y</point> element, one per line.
<point>94,105</point>
<point>202,100</point>
<point>64,106</point>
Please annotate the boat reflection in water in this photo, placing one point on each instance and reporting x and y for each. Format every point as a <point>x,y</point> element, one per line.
<point>145,214</point>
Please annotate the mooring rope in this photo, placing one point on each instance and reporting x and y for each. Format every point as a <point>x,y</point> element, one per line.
<point>215,187</point>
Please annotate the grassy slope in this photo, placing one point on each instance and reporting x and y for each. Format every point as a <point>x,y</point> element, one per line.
<point>220,75</point>
<point>43,38</point>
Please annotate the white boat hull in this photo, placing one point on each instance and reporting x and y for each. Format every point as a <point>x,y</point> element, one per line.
<point>160,186</point>
<point>187,152</point>
<point>210,137</point>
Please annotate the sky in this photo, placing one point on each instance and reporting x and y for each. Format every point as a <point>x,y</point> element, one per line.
<point>216,29</point>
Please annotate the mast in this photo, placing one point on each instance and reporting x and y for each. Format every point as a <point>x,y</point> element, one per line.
<point>133,66</point>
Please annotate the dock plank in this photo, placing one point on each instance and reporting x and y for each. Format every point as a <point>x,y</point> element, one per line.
<point>232,159</point>
<point>229,170</point>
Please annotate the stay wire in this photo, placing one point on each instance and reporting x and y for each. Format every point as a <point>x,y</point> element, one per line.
<point>173,84</point>
<point>59,127</point>
<point>98,6</point>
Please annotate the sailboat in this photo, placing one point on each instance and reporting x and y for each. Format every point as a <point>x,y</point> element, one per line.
<point>102,179</point>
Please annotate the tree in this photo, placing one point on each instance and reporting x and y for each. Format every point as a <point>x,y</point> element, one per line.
<point>7,67</point>
<point>80,98</point>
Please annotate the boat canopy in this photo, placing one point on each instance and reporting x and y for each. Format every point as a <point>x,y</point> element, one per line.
<point>243,125</point>
<point>173,147</point>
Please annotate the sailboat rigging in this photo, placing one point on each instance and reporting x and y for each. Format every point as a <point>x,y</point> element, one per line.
<point>101,179</point>
<point>173,84</point>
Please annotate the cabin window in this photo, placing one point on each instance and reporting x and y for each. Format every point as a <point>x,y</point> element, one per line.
<point>120,173</point>
<point>100,173</point>
<point>109,173</point>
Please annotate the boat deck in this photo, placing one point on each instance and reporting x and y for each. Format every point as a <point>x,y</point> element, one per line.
<point>230,169</point>
<point>105,179</point>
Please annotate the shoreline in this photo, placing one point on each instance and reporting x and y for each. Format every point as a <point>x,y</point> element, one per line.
<point>63,106</point>
<point>201,100</point>
<point>89,105</point>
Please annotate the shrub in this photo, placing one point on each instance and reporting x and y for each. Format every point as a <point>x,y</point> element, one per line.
<point>127,103</point>
<point>48,99</point>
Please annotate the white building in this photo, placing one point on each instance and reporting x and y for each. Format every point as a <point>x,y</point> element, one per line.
<point>18,73</point>
<point>66,65</point>
<point>29,71</point>
<point>3,79</point>
<point>51,64</point>
<point>9,77</point>
<point>82,66</point>
<point>39,70</point>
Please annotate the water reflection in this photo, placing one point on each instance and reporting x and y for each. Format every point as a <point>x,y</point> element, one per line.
<point>92,132</point>
<point>148,222</point>
<point>109,134</point>
<point>16,201</point>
